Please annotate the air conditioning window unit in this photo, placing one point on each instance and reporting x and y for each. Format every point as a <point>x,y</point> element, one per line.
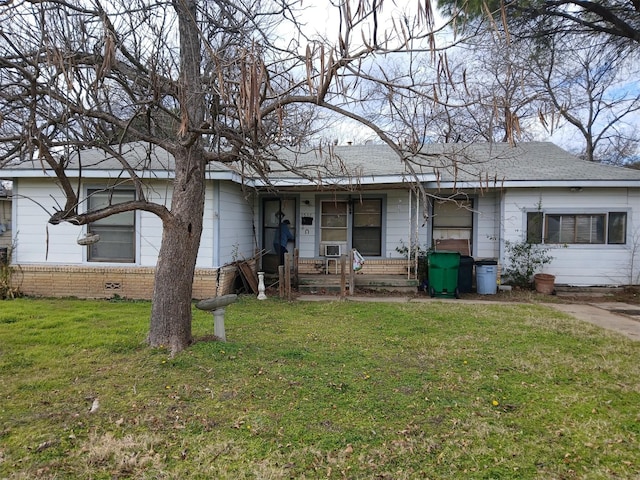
<point>332,251</point>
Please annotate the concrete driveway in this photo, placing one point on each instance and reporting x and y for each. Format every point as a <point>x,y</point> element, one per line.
<point>619,317</point>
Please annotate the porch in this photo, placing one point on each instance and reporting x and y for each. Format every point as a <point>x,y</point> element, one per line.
<point>331,275</point>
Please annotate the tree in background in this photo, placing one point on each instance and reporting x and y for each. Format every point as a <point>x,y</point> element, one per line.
<point>594,90</point>
<point>579,68</point>
<point>615,18</point>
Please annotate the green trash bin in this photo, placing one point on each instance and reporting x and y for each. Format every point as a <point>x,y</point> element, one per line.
<point>443,274</point>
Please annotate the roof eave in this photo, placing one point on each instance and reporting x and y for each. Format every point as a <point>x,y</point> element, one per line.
<point>343,181</point>
<point>622,183</point>
<point>111,174</point>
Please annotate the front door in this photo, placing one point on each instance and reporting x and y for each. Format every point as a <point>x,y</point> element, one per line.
<point>279,215</point>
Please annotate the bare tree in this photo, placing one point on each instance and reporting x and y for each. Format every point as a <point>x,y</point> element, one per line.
<point>206,81</point>
<point>576,62</point>
<point>590,83</point>
<point>490,96</point>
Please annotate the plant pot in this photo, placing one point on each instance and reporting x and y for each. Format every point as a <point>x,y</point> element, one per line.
<point>544,283</point>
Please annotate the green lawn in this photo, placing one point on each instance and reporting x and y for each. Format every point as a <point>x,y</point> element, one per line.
<point>317,390</point>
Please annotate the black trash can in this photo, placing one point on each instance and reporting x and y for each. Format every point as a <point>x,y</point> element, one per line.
<point>423,272</point>
<point>465,274</point>
<point>4,255</point>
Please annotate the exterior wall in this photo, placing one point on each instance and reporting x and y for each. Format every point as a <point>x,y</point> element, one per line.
<point>235,239</point>
<point>38,242</point>
<point>307,234</point>
<point>399,222</point>
<point>107,282</point>
<point>487,226</point>
<point>580,265</point>
<point>49,262</point>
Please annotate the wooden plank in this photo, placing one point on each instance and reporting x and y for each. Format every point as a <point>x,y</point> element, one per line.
<point>249,275</point>
<point>454,245</point>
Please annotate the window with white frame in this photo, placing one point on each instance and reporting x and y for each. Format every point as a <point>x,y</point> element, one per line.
<point>577,228</point>
<point>117,232</point>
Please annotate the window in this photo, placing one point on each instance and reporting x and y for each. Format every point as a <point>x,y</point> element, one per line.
<point>452,219</point>
<point>588,228</point>
<point>117,232</point>
<point>367,226</point>
<point>356,222</point>
<point>617,228</point>
<point>334,222</point>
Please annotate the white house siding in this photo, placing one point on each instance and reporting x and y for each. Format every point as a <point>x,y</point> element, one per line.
<point>306,241</point>
<point>235,238</point>
<point>580,265</point>
<point>149,226</point>
<point>487,225</point>
<point>37,241</point>
<point>399,222</point>
<point>40,242</point>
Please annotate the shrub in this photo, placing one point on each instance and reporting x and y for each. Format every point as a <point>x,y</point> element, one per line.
<point>524,260</point>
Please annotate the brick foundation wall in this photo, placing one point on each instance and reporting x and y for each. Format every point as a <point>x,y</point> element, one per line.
<point>107,282</point>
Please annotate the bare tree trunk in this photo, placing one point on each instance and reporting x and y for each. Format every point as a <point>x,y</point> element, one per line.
<point>172,294</point>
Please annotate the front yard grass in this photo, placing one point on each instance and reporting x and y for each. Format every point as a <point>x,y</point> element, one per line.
<point>316,390</point>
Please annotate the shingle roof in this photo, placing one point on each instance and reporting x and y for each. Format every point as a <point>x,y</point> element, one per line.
<point>496,164</point>
<point>143,157</point>
<point>456,162</point>
<point>531,161</point>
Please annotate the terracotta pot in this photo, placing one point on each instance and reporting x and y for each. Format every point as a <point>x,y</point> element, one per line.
<point>544,283</point>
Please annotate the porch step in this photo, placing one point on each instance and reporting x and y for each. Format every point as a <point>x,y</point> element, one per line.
<point>331,283</point>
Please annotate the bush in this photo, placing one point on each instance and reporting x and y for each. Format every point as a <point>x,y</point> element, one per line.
<point>524,260</point>
<point>7,291</point>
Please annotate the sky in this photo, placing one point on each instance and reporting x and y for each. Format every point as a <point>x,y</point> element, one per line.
<point>321,19</point>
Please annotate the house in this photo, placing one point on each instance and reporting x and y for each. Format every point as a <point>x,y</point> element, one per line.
<point>364,197</point>
<point>587,213</point>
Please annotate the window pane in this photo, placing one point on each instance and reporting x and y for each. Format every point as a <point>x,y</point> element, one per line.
<point>534,227</point>
<point>117,232</point>
<point>367,231</point>
<point>553,229</point>
<point>588,229</point>
<point>567,229</point>
<point>334,208</point>
<point>453,214</point>
<point>115,245</point>
<point>597,229</point>
<point>334,221</point>
<point>367,241</point>
<point>618,228</point>
<point>367,213</point>
<point>328,235</point>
